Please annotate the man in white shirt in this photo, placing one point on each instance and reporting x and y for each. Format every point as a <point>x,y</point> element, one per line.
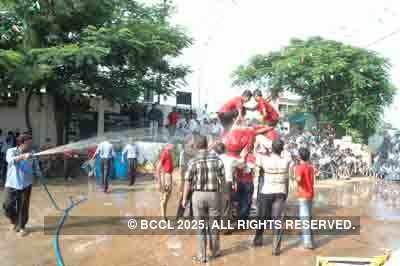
<point>194,126</point>
<point>105,151</point>
<point>231,164</point>
<point>216,128</point>
<point>130,151</point>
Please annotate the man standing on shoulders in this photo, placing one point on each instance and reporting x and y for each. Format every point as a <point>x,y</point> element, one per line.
<point>267,111</point>
<point>206,177</point>
<point>105,151</point>
<point>233,110</point>
<point>21,169</point>
<point>130,151</point>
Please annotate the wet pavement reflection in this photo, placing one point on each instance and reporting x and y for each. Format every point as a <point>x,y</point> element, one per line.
<point>378,204</point>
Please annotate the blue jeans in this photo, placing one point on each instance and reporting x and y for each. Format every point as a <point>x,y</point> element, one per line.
<point>305,211</point>
<point>244,196</point>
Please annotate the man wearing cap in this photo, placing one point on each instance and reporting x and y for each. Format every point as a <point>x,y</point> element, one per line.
<point>164,170</point>
<point>20,172</point>
<point>234,109</point>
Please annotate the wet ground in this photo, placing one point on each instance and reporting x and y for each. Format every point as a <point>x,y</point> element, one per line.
<point>379,211</point>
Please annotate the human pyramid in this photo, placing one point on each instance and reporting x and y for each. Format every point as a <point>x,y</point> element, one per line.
<point>248,162</point>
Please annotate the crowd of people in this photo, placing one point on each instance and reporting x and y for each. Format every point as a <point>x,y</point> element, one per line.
<point>386,163</point>
<point>329,160</point>
<point>226,164</point>
<point>220,177</point>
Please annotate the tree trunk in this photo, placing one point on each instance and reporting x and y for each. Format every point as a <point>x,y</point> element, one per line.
<point>60,116</point>
<point>27,113</point>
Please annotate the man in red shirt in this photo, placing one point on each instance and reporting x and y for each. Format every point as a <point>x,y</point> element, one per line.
<point>234,109</point>
<point>173,118</point>
<point>265,136</point>
<point>270,115</point>
<point>239,139</point>
<point>304,173</point>
<point>164,170</point>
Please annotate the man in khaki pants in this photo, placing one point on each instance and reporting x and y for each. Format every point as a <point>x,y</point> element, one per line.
<point>206,178</point>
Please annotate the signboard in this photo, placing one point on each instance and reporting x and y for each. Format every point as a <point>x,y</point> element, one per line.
<point>184,98</point>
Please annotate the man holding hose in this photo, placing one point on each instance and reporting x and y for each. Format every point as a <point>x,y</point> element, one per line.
<point>20,172</point>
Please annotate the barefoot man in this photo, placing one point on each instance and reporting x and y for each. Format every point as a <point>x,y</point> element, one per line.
<point>164,170</point>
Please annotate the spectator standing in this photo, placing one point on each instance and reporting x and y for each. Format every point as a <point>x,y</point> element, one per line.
<point>304,173</point>
<point>106,152</point>
<point>130,152</point>
<point>216,128</point>
<point>194,124</point>
<point>155,116</point>
<point>206,178</point>
<point>173,118</point>
<point>188,152</point>
<point>12,138</point>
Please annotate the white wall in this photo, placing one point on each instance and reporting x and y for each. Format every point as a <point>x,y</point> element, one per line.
<point>42,118</point>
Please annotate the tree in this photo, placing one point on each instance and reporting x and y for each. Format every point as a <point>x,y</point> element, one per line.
<point>111,48</point>
<point>345,85</point>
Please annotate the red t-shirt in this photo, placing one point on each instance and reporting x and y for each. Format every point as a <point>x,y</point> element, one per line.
<point>243,175</point>
<point>261,105</point>
<point>167,161</point>
<point>272,114</point>
<point>305,188</point>
<point>238,139</point>
<point>232,105</point>
<point>173,118</point>
<point>271,134</point>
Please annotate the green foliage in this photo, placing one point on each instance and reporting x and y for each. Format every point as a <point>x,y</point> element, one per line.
<point>115,48</point>
<point>347,85</point>
<point>112,48</point>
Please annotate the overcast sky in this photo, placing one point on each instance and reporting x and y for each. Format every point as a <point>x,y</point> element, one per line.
<point>228,32</point>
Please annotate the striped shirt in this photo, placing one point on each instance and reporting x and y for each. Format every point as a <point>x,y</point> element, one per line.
<point>206,172</point>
